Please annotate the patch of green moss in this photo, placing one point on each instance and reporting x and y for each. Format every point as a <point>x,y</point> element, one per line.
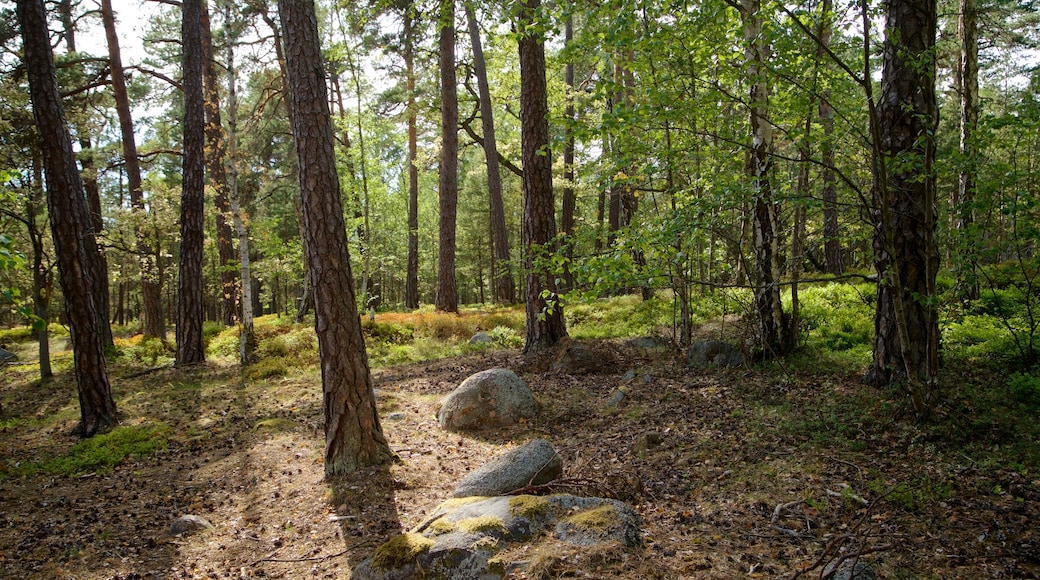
<point>528,506</point>
<point>441,526</point>
<point>400,551</point>
<point>602,518</point>
<point>455,502</point>
<point>276,424</point>
<point>497,566</point>
<point>482,524</point>
<point>101,453</point>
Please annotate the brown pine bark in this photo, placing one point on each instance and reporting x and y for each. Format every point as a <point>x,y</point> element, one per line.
<point>70,222</point>
<point>216,156</point>
<point>906,256</point>
<point>190,298</point>
<point>353,436</point>
<point>411,288</point>
<point>447,299</point>
<point>505,287</point>
<point>964,200</point>
<point>545,323</point>
<point>154,324</point>
<point>829,193</point>
<point>570,198</point>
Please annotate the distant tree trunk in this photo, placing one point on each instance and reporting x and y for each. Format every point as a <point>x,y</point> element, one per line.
<point>447,299</point>
<point>353,436</point>
<point>505,288</point>
<point>570,199</point>
<point>968,77</point>
<point>70,222</point>
<point>411,287</point>
<point>190,300</point>
<point>216,147</point>
<point>905,320</point>
<point>151,288</point>
<point>545,323</point>
<point>246,336</point>
<point>829,193</point>
<point>42,277</point>
<point>768,307</point>
<point>93,192</point>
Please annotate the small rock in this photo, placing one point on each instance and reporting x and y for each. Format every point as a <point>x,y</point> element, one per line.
<point>579,359</point>
<point>490,398</point>
<point>187,524</point>
<point>481,338</point>
<point>859,570</point>
<point>629,376</point>
<point>617,396</point>
<point>532,464</point>
<point>395,416</point>
<point>7,356</point>
<point>714,353</point>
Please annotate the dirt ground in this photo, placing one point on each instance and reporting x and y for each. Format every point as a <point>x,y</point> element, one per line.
<point>736,473</point>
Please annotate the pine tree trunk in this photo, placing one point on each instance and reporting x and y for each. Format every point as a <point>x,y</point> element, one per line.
<point>216,147</point>
<point>447,299</point>
<point>964,200</point>
<point>545,322</point>
<point>154,324</point>
<point>190,298</point>
<point>829,190</point>
<point>411,288</point>
<point>353,436</point>
<point>505,287</point>
<point>570,198</point>
<point>70,223</point>
<point>906,255</point>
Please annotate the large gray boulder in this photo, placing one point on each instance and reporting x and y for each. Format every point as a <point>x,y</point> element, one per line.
<point>461,537</point>
<point>532,464</point>
<point>490,398</point>
<point>7,356</point>
<point>714,353</point>
<point>580,359</point>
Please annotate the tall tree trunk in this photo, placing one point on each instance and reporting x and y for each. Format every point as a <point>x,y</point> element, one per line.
<point>42,278</point>
<point>545,323</point>
<point>447,299</point>
<point>93,192</point>
<point>190,299</point>
<point>353,436</point>
<point>151,278</point>
<point>570,198</point>
<point>505,287</point>
<point>831,230</point>
<point>70,222</point>
<point>246,336</point>
<point>411,285</point>
<point>906,256</point>
<point>768,307</point>
<point>968,77</point>
<point>216,147</point>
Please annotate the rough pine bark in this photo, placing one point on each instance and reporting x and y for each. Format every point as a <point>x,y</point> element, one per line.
<point>447,299</point>
<point>411,287</point>
<point>570,198</point>
<point>216,157</point>
<point>353,436</point>
<point>829,189</point>
<point>190,302</point>
<point>964,201</point>
<point>545,323</point>
<point>70,222</point>
<point>906,255</point>
<point>505,287</point>
<point>153,320</point>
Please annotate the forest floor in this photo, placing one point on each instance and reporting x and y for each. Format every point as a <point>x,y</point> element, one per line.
<point>764,472</point>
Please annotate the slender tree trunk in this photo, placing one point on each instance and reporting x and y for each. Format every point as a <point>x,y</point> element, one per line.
<point>216,148</point>
<point>545,322</point>
<point>70,222</point>
<point>190,298</point>
<point>411,287</point>
<point>447,299</point>
<point>906,255</point>
<point>93,192</point>
<point>570,198</point>
<point>353,436</point>
<point>505,287</point>
<point>42,278</point>
<point>969,121</point>
<point>151,283</point>
<point>829,193</point>
<point>246,336</point>
<point>768,306</point>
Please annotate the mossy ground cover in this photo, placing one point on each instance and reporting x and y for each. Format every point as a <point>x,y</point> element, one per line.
<point>766,470</point>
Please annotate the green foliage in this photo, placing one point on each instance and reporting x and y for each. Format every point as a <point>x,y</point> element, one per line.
<point>1025,389</point>
<point>103,452</point>
<point>623,316</point>
<point>270,367</point>
<point>837,317</point>
<point>138,349</point>
<point>912,496</point>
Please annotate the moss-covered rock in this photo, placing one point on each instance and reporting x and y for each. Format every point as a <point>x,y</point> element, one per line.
<point>401,550</point>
